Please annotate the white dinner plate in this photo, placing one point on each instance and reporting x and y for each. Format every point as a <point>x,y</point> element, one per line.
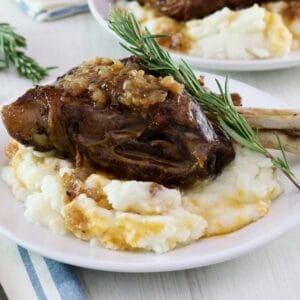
<point>283,215</point>
<point>100,8</point>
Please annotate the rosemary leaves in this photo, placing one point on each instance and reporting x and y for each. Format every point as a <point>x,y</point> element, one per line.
<point>157,59</point>
<point>12,47</point>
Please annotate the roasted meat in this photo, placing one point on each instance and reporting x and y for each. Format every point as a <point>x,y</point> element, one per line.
<point>192,9</point>
<point>125,121</point>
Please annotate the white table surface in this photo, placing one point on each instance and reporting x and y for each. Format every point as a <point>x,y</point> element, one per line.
<point>272,272</point>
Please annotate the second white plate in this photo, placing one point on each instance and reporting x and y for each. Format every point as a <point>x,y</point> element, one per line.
<point>100,8</point>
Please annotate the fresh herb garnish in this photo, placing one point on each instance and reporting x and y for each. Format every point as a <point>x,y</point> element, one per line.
<point>12,47</point>
<point>157,59</point>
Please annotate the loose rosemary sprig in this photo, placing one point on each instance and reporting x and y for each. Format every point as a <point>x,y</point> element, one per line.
<point>11,53</point>
<point>157,59</point>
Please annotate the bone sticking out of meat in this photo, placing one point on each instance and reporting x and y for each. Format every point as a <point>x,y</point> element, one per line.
<point>264,118</point>
<point>125,121</point>
<point>268,139</point>
<point>285,122</point>
<point>193,9</point>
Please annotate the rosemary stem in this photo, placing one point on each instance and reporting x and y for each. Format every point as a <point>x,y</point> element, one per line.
<point>290,176</point>
<point>156,59</point>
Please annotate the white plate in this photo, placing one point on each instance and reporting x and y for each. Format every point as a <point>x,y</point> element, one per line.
<point>99,9</point>
<point>284,214</point>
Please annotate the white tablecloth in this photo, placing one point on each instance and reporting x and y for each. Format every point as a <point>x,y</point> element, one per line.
<point>272,272</point>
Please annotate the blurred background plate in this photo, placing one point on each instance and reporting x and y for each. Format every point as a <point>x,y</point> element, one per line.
<point>100,8</point>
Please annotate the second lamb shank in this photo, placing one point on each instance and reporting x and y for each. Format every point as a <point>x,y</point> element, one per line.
<point>184,10</point>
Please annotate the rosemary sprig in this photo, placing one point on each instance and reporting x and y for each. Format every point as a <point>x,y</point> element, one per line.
<point>157,59</point>
<point>11,52</point>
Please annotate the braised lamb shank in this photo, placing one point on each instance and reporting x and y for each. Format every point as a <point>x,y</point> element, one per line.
<point>192,9</point>
<point>125,121</point>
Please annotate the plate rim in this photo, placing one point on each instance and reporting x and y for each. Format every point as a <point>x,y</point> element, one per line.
<point>252,65</point>
<point>133,267</point>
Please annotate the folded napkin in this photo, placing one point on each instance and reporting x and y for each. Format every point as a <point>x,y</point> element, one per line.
<point>48,10</point>
<point>24,275</point>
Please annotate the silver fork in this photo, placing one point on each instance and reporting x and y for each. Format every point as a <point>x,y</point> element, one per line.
<point>3,295</point>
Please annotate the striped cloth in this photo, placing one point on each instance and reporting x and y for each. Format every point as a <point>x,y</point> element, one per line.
<point>48,10</point>
<point>24,275</point>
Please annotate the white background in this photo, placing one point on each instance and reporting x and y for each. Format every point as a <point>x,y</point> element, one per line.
<point>272,272</point>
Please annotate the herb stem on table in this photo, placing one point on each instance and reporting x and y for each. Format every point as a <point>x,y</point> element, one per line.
<point>156,59</point>
<point>12,47</point>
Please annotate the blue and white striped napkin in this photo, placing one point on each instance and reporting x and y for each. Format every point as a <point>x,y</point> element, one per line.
<point>25,275</point>
<point>48,10</point>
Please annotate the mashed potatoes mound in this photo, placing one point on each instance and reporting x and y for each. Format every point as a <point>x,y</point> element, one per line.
<point>132,215</point>
<point>252,33</point>
<point>139,215</point>
<point>246,34</point>
<point>241,195</point>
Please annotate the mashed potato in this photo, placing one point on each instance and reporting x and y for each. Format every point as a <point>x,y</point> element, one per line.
<point>244,34</point>
<point>241,195</point>
<point>290,12</point>
<point>126,215</point>
<point>132,215</point>
<point>252,33</point>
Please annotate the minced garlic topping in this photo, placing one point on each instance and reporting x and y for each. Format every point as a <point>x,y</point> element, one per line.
<point>132,85</point>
